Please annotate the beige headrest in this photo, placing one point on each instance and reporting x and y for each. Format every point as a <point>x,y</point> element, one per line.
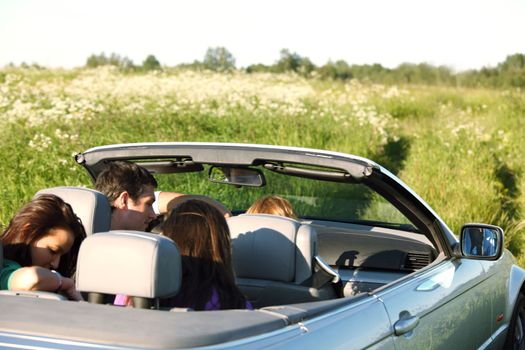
<point>92,207</point>
<point>134,263</point>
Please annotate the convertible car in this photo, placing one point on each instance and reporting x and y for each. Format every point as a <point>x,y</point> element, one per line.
<point>367,265</point>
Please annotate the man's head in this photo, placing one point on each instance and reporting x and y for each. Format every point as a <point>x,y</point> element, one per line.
<point>130,191</point>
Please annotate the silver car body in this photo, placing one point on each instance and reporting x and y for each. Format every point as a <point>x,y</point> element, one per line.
<point>454,302</point>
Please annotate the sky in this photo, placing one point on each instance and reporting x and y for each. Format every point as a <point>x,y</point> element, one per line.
<point>459,34</point>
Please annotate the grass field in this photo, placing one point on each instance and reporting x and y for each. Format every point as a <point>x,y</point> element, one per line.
<point>460,149</point>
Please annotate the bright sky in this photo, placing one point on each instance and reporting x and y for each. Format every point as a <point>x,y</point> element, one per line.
<point>461,34</point>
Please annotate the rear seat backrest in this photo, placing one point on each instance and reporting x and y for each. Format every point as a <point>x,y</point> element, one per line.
<point>92,207</point>
<point>138,264</point>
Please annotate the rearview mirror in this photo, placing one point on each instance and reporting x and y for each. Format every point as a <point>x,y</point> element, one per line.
<point>481,241</point>
<point>237,176</point>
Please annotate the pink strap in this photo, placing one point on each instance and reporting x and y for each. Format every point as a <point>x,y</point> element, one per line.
<point>122,300</point>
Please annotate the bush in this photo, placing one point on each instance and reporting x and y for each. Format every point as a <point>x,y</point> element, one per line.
<point>151,63</point>
<point>94,61</point>
<point>219,59</point>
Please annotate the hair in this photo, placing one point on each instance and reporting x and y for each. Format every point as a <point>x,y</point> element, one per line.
<point>33,221</point>
<point>121,176</point>
<point>203,238</point>
<point>272,205</point>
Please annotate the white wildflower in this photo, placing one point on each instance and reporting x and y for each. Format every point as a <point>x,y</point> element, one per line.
<point>40,142</point>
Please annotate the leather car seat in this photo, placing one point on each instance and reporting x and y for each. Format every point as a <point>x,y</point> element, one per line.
<point>274,259</point>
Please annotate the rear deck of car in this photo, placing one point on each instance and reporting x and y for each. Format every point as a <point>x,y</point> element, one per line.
<point>82,323</point>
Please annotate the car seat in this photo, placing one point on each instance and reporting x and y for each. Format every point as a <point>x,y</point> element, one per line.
<point>142,265</point>
<point>91,206</point>
<point>274,259</point>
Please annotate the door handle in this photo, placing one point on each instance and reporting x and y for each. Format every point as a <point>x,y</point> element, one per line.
<point>405,325</point>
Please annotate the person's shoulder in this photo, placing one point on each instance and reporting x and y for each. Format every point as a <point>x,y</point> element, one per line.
<point>10,264</point>
<point>6,272</point>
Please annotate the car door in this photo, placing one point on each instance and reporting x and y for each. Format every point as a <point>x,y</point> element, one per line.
<point>498,286</point>
<point>363,324</point>
<point>444,307</point>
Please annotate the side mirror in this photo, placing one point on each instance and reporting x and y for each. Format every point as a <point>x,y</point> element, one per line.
<point>237,176</point>
<point>480,241</point>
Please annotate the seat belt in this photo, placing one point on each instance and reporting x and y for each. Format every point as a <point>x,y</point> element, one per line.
<point>323,275</point>
<point>320,278</point>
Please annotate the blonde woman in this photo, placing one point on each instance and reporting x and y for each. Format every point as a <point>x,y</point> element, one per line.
<point>272,205</point>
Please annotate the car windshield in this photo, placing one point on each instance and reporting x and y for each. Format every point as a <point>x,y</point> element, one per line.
<point>311,198</point>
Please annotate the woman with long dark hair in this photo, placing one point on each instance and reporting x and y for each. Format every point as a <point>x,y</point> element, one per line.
<point>203,238</point>
<point>40,247</point>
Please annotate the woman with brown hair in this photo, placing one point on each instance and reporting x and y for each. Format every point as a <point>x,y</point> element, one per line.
<point>40,247</point>
<point>203,238</point>
<point>273,204</point>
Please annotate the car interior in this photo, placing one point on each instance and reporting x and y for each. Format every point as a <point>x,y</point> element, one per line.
<point>277,260</point>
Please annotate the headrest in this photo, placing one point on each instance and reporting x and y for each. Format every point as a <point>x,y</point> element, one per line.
<point>133,263</point>
<point>272,247</point>
<point>92,207</point>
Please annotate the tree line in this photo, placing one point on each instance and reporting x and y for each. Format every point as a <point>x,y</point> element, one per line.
<point>509,73</point>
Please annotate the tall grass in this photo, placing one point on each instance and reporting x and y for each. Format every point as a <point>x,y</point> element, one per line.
<point>460,149</point>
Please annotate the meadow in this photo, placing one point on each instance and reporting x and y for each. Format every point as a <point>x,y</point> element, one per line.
<point>460,149</point>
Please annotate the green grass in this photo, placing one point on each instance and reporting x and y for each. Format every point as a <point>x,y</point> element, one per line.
<point>460,149</point>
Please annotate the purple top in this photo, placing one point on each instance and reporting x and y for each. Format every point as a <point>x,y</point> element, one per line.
<point>214,304</point>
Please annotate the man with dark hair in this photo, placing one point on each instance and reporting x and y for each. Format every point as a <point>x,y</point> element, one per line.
<point>130,190</point>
